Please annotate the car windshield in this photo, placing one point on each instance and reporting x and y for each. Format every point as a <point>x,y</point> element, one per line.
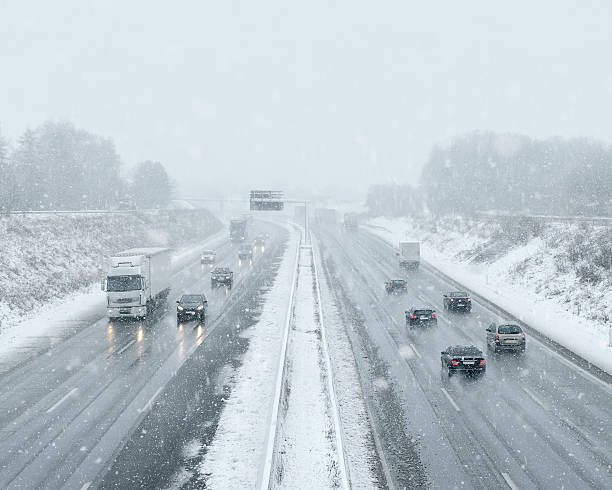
<point>423,312</point>
<point>509,329</point>
<point>398,282</point>
<point>191,298</point>
<point>123,283</point>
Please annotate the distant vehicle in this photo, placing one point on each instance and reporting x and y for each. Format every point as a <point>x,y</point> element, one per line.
<point>221,275</point>
<point>396,286</point>
<point>463,359</point>
<point>137,278</point>
<point>238,230</point>
<point>260,239</point>
<point>208,257</point>
<point>245,252</point>
<point>351,221</point>
<point>409,255</point>
<point>506,337</point>
<point>457,301</point>
<point>421,317</point>
<point>191,307</point>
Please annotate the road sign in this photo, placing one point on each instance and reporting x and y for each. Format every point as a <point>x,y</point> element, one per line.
<point>266,201</point>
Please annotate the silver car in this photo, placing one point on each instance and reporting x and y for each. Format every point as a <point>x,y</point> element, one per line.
<point>506,337</point>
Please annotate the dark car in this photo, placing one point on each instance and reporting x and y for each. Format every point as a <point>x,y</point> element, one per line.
<point>421,317</point>
<point>260,239</point>
<point>466,359</point>
<point>191,307</point>
<point>506,337</point>
<point>396,286</point>
<point>245,253</point>
<point>457,301</point>
<point>221,275</point>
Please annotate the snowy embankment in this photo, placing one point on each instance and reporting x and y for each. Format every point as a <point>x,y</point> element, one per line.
<point>553,277</point>
<point>51,265</point>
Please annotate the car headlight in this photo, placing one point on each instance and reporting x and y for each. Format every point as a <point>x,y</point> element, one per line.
<point>180,308</point>
<point>227,277</point>
<point>200,308</point>
<point>214,277</point>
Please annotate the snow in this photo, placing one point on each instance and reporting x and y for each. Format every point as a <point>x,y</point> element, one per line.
<point>522,278</point>
<point>235,456</point>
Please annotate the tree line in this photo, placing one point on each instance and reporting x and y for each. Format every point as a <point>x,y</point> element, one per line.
<point>507,173</point>
<point>59,167</point>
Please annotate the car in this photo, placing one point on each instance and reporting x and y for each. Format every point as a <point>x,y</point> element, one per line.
<point>208,257</point>
<point>421,317</point>
<point>396,286</point>
<point>260,239</point>
<point>221,275</point>
<point>245,253</point>
<point>506,337</point>
<point>466,359</point>
<point>457,301</point>
<point>191,307</point>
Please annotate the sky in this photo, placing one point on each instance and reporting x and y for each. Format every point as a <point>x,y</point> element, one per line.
<point>325,95</point>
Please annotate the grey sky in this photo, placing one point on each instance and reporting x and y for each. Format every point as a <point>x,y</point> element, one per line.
<point>288,94</point>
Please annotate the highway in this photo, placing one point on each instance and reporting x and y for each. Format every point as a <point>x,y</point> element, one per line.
<point>537,421</point>
<point>65,414</point>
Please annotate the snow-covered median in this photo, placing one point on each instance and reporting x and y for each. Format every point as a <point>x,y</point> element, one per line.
<point>523,279</point>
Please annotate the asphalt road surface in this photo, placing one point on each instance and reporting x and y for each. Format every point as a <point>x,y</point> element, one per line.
<point>65,415</point>
<point>533,421</point>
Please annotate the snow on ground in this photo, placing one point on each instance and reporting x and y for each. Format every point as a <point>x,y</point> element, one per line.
<point>358,444</point>
<point>551,278</point>
<point>306,456</point>
<point>235,456</point>
<point>49,322</point>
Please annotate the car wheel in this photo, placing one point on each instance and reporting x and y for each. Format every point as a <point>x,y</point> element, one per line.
<point>450,372</point>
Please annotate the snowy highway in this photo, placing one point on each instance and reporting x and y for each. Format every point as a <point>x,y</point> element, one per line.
<point>65,412</point>
<point>537,421</point>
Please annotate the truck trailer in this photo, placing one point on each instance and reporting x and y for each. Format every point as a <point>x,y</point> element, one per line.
<point>409,255</point>
<point>137,279</point>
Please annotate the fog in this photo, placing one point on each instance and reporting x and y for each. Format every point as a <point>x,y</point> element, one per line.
<point>323,95</point>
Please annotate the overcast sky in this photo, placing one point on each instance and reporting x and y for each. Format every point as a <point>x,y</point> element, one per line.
<point>317,93</point>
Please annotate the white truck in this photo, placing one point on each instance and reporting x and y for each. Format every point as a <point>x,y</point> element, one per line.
<point>136,280</point>
<point>409,255</point>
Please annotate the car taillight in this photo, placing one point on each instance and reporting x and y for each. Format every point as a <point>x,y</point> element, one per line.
<point>405,287</point>
<point>496,336</point>
<point>524,337</point>
<point>433,316</point>
<point>413,317</point>
<point>482,362</point>
<point>452,299</point>
<point>455,363</point>
<point>469,300</point>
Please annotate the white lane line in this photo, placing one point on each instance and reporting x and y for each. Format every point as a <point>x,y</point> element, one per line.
<point>418,354</point>
<point>64,398</point>
<point>450,399</point>
<point>86,486</point>
<point>149,404</point>
<point>534,398</point>
<point>126,346</point>
<point>509,481</point>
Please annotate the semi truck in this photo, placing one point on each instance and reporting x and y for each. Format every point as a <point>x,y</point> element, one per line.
<point>238,230</point>
<point>351,221</point>
<point>137,279</point>
<point>409,255</point>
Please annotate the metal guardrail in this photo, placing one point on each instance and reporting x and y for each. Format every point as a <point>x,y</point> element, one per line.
<point>540,218</point>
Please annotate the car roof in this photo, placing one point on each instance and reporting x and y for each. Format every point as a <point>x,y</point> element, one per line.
<point>199,295</point>
<point>458,294</point>
<point>222,269</point>
<point>463,350</point>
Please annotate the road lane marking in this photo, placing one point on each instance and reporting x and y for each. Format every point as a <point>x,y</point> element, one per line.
<point>450,399</point>
<point>534,398</point>
<point>86,486</point>
<point>413,347</point>
<point>126,346</point>
<point>64,398</point>
<point>149,404</point>
<point>509,481</point>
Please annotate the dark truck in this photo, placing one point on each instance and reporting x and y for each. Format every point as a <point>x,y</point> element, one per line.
<point>238,230</point>
<point>457,301</point>
<point>221,275</point>
<point>463,359</point>
<point>421,317</point>
<point>396,286</point>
